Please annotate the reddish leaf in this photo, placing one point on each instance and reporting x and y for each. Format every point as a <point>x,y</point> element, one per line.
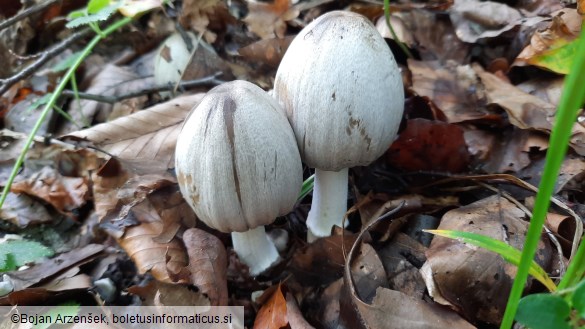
<point>429,145</point>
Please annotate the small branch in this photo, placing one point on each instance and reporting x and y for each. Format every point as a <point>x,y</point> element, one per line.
<point>184,85</point>
<point>26,13</point>
<point>44,57</point>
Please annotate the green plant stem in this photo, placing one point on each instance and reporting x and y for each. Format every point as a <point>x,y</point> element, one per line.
<point>56,93</point>
<point>576,268</point>
<point>400,43</point>
<point>572,98</point>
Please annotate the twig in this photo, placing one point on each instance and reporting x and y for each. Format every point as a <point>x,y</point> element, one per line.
<point>203,82</point>
<point>26,13</point>
<point>44,57</point>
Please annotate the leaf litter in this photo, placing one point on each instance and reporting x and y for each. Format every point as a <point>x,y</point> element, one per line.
<point>480,99</point>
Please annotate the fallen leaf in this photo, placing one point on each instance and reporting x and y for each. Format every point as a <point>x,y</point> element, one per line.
<point>474,20</point>
<point>453,88</point>
<point>166,294</point>
<point>294,315</point>
<point>553,48</point>
<point>321,262</point>
<point>64,193</point>
<point>198,15</point>
<point>112,80</point>
<point>22,210</point>
<point>267,51</point>
<point>430,146</point>
<point>368,273</point>
<point>44,272</point>
<point>268,20</point>
<point>208,265</point>
<point>150,134</point>
<point>272,314</point>
<point>474,280</point>
<point>526,111</point>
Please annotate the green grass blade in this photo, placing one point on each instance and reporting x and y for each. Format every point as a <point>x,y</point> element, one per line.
<point>307,187</point>
<point>509,253</point>
<point>571,100</point>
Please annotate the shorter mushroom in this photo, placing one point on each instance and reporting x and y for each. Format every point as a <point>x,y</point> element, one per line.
<point>238,167</point>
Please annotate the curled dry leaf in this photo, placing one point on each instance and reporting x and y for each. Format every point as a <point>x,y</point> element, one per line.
<point>64,193</point>
<point>429,145</point>
<point>268,20</point>
<point>389,308</point>
<point>526,111</point>
<point>368,273</point>
<point>22,210</point>
<point>473,280</point>
<point>150,134</point>
<point>208,264</point>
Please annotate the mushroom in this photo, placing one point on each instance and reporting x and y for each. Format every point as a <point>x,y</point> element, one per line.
<point>342,92</point>
<point>238,167</point>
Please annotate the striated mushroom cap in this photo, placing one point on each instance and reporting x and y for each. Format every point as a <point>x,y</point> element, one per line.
<point>236,159</point>
<point>342,91</point>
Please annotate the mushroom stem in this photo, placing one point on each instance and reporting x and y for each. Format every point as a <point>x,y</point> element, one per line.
<point>329,202</point>
<point>255,249</point>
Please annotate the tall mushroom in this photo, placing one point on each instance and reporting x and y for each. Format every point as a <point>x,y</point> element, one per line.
<point>342,92</point>
<point>239,168</point>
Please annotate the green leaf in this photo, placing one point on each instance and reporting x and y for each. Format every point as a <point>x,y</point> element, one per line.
<point>543,311</point>
<point>509,253</point>
<point>101,15</point>
<point>16,253</point>
<point>559,59</point>
<point>67,62</point>
<point>95,6</point>
<point>578,299</point>
<point>40,101</point>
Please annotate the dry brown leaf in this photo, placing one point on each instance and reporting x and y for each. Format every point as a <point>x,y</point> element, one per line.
<point>564,28</point>
<point>389,308</point>
<point>208,264</point>
<point>150,134</point>
<point>198,15</point>
<point>399,258</point>
<point>321,262</point>
<point>149,256</point>
<point>268,51</point>
<point>474,280</point>
<point>392,309</point>
<point>524,110</point>
<point>64,193</point>
<point>294,315</point>
<point>158,293</point>
<point>368,273</point>
<point>45,271</point>
<point>268,20</point>
<point>453,88</point>
<point>22,210</point>
<point>272,314</point>
<point>475,19</point>
<point>112,80</point>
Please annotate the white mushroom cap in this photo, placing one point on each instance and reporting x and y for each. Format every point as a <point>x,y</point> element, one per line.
<point>237,162</point>
<point>342,91</point>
